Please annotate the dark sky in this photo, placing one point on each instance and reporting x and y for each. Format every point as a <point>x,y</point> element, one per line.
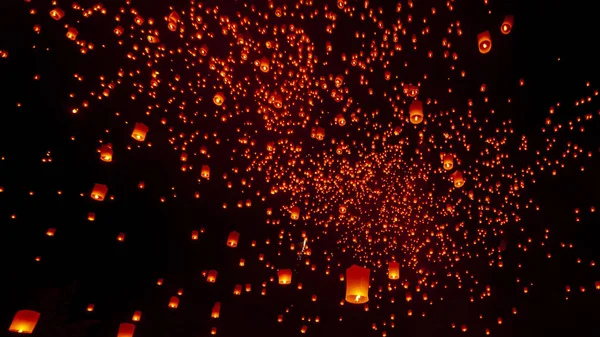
<point>84,263</point>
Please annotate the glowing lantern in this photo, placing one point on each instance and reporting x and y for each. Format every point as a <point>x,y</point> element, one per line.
<point>458,180</point>
<point>408,296</point>
<point>72,33</point>
<point>285,276</point>
<point>415,112</point>
<point>90,308</point>
<point>205,172</point>
<point>340,120</point>
<point>57,13</point>
<point>339,80</point>
<point>357,284</point>
<point>448,162</point>
<point>237,290</point>
<point>394,270</point>
<point>172,25</point>
<point>99,192</point>
<point>51,231</point>
<point>507,24</point>
<point>153,39</point>
<point>320,133</point>
<point>24,321</point>
<point>295,214</point>
<point>121,237</point>
<point>126,330</point>
<point>216,310</point>
<point>304,328</point>
<point>232,240</point>
<point>485,42</point>
<point>387,75</point>
<point>106,153</point>
<point>174,16</point>
<point>91,216</point>
<point>212,276</point>
<point>174,302</point>
<point>119,31</point>
<point>219,98</point>
<point>139,132</point>
<point>343,209</point>
<point>194,235</point>
<point>137,315</point>
<point>264,65</point>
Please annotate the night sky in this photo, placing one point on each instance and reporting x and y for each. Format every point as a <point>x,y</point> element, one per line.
<point>315,118</point>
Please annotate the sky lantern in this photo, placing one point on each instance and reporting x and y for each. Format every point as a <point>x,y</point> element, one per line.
<point>126,330</point>
<point>507,24</point>
<point>237,290</point>
<point>457,179</point>
<point>119,30</point>
<point>320,133</point>
<point>174,302</point>
<point>415,112</point>
<point>264,65</point>
<point>139,132</point>
<point>195,235</point>
<point>57,13</point>
<point>357,284</point>
<point>216,310</point>
<point>99,192</point>
<point>448,161</point>
<point>24,321</point>
<point>90,307</point>
<point>295,213</point>
<point>232,240</point>
<point>205,172</point>
<point>285,276</point>
<point>394,270</point>
<point>72,33</point>
<point>51,231</point>
<point>137,315</point>
<point>485,42</point>
<point>106,153</point>
<point>219,98</point>
<point>212,276</point>
<point>339,80</point>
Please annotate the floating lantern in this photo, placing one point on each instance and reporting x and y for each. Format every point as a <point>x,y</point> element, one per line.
<point>394,270</point>
<point>507,24</point>
<point>137,315</point>
<point>232,240</point>
<point>448,161</point>
<point>99,192</point>
<point>139,132</point>
<point>285,276</point>
<point>126,330</point>
<point>357,284</point>
<point>295,214</point>
<point>415,112</point>
<point>24,321</point>
<point>212,276</point>
<point>106,153</point>
<point>216,310</point>
<point>485,42</point>
<point>174,302</point>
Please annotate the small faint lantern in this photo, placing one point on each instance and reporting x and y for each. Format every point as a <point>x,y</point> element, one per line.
<point>51,231</point>
<point>90,308</point>
<point>507,24</point>
<point>24,321</point>
<point>285,276</point>
<point>121,237</point>
<point>194,235</point>
<point>237,290</point>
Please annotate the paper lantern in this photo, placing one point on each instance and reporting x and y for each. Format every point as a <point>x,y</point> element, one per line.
<point>137,315</point>
<point>264,65</point>
<point>415,111</point>
<point>295,214</point>
<point>121,237</point>
<point>174,302</point>
<point>24,321</point>
<point>237,290</point>
<point>212,276</point>
<point>232,240</point>
<point>205,172</point>
<point>57,13</point>
<point>126,330</point>
<point>507,24</point>
<point>219,98</point>
<point>485,42</point>
<point>72,33</point>
<point>320,133</point>
<point>99,192</point>
<point>339,80</point>
<point>139,132</point>
<point>90,307</point>
<point>357,284</point>
<point>51,231</point>
<point>216,310</point>
<point>285,276</point>
<point>394,270</point>
<point>194,235</point>
<point>91,216</point>
<point>448,162</point>
<point>119,30</point>
<point>457,179</point>
<point>106,153</point>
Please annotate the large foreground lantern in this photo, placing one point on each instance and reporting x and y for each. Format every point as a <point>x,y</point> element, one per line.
<point>357,284</point>
<point>126,330</point>
<point>415,112</point>
<point>485,42</point>
<point>285,276</point>
<point>24,321</point>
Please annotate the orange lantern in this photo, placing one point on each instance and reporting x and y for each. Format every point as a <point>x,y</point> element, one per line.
<point>106,153</point>
<point>320,133</point>
<point>264,65</point>
<point>232,240</point>
<point>72,33</point>
<point>485,42</point>
<point>212,276</point>
<point>174,302</point>
<point>340,120</point>
<point>24,321</point>
<point>219,99</point>
<point>153,39</point>
<point>91,216</point>
<point>448,162</point>
<point>121,237</point>
<point>139,132</point>
<point>357,284</point>
<point>205,172</point>
<point>51,231</point>
<point>126,330</point>
<point>415,112</point>
<point>394,270</point>
<point>216,310</point>
<point>137,315</point>
<point>90,307</point>
<point>507,24</point>
<point>194,235</point>
<point>339,80</point>
<point>119,30</point>
<point>285,276</point>
<point>99,192</point>
<point>57,13</point>
<point>458,180</point>
<point>295,214</point>
<point>237,290</point>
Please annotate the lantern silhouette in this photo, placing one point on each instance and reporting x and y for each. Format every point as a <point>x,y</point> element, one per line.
<point>139,132</point>
<point>219,98</point>
<point>457,179</point>
<point>394,270</point>
<point>485,42</point>
<point>137,315</point>
<point>126,330</point>
<point>232,240</point>
<point>448,162</point>
<point>72,33</point>
<point>415,112</point>
<point>106,153</point>
<point>174,302</point>
<point>295,214</point>
<point>507,24</point>
<point>216,310</point>
<point>205,172</point>
<point>357,284</point>
<point>212,276</point>
<point>285,276</point>
<point>24,321</point>
<point>57,13</point>
<point>99,192</point>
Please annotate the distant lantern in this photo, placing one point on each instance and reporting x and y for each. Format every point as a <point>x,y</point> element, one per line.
<point>295,214</point>
<point>194,235</point>
<point>121,237</point>
<point>448,161</point>
<point>415,112</point>
<point>51,231</point>
<point>285,276</point>
<point>339,80</point>
<point>394,270</point>
<point>153,39</point>
<point>99,192</point>
<point>57,13</point>
<point>72,33</point>
<point>507,24</point>
<point>172,25</point>
<point>119,30</point>
<point>216,310</point>
<point>264,65</point>
<point>139,132</point>
<point>320,133</point>
<point>387,75</point>
<point>137,315</point>
<point>232,240</point>
<point>106,153</point>
<point>237,290</point>
<point>242,262</point>
<point>457,179</point>
<point>90,307</point>
<point>205,172</point>
<point>219,98</point>
<point>485,42</point>
<point>343,209</point>
<point>174,302</point>
<point>126,330</point>
<point>278,101</point>
<point>24,321</point>
<point>91,216</point>
<point>357,284</point>
<point>340,120</point>
<point>212,276</point>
